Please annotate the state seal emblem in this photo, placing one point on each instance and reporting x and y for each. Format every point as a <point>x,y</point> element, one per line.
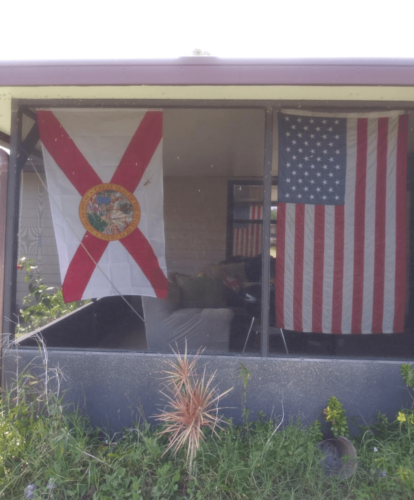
<point>109,212</point>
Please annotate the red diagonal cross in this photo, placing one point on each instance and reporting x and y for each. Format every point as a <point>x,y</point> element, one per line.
<point>128,174</point>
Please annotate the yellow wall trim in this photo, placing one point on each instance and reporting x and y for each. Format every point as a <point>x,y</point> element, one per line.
<point>241,93</point>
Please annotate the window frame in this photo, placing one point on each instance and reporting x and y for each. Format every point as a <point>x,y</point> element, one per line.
<point>21,149</point>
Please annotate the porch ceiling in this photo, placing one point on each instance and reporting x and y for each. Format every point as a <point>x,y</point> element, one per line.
<point>216,142</point>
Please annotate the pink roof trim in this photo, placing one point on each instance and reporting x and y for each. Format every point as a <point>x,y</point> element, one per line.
<point>210,71</point>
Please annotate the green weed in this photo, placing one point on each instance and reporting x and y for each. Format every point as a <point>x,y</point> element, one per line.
<point>65,457</point>
<point>335,414</point>
<point>245,374</point>
<point>43,303</point>
<point>54,449</point>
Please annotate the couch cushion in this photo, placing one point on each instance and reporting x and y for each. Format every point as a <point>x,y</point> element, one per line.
<point>201,292</point>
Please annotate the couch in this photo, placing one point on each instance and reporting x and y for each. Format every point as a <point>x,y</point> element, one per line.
<point>196,310</point>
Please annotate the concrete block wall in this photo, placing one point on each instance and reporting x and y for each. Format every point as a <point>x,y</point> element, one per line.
<point>114,388</point>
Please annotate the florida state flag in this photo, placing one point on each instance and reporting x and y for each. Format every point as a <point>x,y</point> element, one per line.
<point>104,177</point>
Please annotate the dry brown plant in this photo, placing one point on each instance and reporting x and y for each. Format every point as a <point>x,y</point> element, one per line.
<point>192,404</point>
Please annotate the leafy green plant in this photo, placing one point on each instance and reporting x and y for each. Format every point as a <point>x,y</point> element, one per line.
<point>11,441</point>
<point>315,431</point>
<point>407,373</point>
<point>245,375</point>
<point>335,414</point>
<point>65,458</point>
<point>54,449</point>
<point>44,303</point>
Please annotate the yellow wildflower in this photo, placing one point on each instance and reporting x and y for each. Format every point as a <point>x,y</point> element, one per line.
<point>401,417</point>
<point>405,474</point>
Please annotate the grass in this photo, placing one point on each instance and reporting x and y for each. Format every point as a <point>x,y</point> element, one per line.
<point>55,450</point>
<point>67,459</point>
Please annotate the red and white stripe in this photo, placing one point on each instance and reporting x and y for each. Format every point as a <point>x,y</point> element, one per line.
<point>342,269</point>
<point>247,241</point>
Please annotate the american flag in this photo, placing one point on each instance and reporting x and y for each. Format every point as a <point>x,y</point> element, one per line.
<point>247,238</point>
<point>342,229</point>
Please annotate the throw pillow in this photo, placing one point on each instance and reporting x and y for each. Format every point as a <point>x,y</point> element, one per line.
<point>201,292</point>
<point>235,269</point>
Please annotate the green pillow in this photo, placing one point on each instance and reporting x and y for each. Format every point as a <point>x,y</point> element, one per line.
<point>201,292</point>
